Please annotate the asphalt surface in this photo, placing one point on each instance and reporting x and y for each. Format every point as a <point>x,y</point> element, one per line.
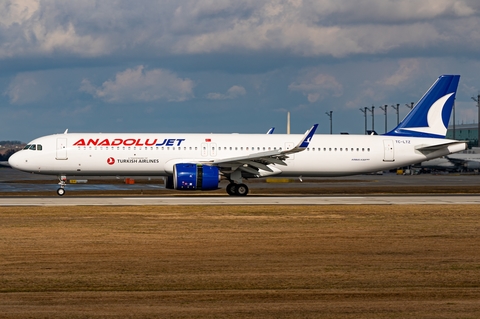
<point>248,200</point>
<point>19,188</point>
<point>12,180</point>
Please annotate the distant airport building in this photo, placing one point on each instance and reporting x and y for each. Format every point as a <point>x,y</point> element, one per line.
<point>464,132</point>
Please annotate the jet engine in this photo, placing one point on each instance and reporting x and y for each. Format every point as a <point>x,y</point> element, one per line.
<point>193,176</point>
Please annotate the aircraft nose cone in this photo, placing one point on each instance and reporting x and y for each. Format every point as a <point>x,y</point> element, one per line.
<point>15,160</point>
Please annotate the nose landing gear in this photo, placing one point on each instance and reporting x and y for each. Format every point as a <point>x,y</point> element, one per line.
<point>62,182</point>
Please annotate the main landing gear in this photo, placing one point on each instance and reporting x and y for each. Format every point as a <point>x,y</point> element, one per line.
<point>62,183</point>
<point>237,189</point>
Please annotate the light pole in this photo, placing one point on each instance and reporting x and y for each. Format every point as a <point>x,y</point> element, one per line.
<point>364,111</point>
<point>372,110</point>
<point>410,106</point>
<point>384,109</point>
<point>478,105</point>
<point>396,108</point>
<point>330,115</point>
<point>453,120</point>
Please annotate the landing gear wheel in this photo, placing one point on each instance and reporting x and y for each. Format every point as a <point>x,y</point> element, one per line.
<point>62,182</point>
<point>231,189</point>
<point>241,190</point>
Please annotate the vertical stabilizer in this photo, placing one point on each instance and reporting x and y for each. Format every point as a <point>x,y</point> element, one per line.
<point>431,114</point>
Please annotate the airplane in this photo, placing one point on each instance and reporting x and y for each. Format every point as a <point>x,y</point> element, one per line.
<point>465,161</point>
<point>201,161</point>
<point>454,162</point>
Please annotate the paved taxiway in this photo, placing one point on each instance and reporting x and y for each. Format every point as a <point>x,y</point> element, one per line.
<point>248,200</point>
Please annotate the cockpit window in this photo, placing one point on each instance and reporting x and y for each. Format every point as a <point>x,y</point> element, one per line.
<point>33,147</point>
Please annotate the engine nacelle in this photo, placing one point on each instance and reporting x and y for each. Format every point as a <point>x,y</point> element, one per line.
<point>193,176</point>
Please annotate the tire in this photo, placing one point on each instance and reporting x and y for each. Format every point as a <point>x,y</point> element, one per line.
<point>241,190</point>
<point>231,189</point>
<point>61,191</point>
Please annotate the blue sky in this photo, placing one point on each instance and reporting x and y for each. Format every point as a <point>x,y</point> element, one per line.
<point>227,66</point>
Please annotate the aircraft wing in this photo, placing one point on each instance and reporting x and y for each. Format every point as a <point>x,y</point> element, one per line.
<point>253,162</point>
<point>469,163</point>
<point>457,161</point>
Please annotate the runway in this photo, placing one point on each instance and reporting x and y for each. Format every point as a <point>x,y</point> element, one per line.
<point>238,201</point>
<point>263,193</point>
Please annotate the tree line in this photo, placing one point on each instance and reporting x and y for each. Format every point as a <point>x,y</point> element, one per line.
<point>8,144</point>
<point>6,155</point>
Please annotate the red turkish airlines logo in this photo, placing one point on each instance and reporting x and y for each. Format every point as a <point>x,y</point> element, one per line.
<point>110,161</point>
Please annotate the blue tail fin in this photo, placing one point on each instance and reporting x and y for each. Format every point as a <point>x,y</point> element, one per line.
<point>430,116</point>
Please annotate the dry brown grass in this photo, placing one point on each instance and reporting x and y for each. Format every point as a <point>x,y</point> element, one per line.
<point>240,262</point>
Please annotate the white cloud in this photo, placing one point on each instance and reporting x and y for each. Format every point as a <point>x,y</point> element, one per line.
<point>336,28</point>
<point>316,86</point>
<point>406,69</point>
<point>26,88</point>
<point>17,11</point>
<point>67,39</point>
<point>31,27</point>
<point>324,28</point>
<point>140,85</point>
<point>232,93</point>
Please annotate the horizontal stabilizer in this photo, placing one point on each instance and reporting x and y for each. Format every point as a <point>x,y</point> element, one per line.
<point>453,145</point>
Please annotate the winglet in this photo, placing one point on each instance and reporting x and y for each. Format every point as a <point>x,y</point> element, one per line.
<point>270,131</point>
<point>304,142</point>
<point>307,138</point>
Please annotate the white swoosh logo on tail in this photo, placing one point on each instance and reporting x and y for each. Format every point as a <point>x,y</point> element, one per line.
<point>434,118</point>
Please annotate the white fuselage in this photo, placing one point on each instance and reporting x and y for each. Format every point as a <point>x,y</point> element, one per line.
<point>155,154</point>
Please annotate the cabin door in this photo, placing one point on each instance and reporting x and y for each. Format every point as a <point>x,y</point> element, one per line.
<point>61,149</point>
<point>388,151</point>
